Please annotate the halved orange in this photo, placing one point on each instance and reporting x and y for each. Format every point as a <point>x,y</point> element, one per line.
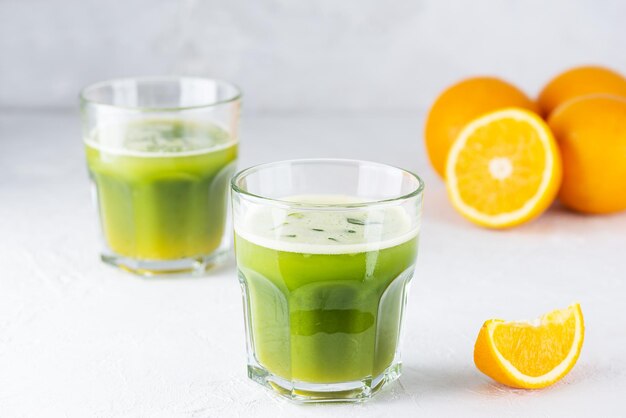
<point>531,354</point>
<point>503,169</point>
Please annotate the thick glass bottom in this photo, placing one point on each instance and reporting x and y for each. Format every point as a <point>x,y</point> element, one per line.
<point>305,392</point>
<point>193,266</point>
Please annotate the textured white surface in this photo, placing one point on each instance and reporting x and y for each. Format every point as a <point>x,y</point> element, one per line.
<point>294,56</point>
<point>79,338</point>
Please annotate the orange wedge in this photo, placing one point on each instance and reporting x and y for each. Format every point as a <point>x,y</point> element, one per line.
<point>503,169</point>
<point>531,354</point>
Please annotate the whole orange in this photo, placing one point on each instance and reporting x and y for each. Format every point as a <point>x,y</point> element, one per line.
<point>580,81</point>
<point>591,133</point>
<point>460,104</point>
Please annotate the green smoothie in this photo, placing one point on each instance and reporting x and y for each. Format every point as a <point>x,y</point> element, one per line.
<point>161,186</point>
<point>325,289</point>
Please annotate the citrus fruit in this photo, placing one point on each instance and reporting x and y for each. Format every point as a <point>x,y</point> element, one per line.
<point>503,169</point>
<point>580,81</point>
<point>531,354</point>
<point>591,133</point>
<point>461,103</point>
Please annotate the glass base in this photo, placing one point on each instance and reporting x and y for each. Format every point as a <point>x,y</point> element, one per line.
<point>194,266</point>
<point>303,392</point>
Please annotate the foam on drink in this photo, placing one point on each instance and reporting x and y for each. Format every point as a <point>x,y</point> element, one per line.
<point>327,230</point>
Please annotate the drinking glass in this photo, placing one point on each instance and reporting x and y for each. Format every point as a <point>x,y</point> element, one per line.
<point>160,153</point>
<point>325,250</point>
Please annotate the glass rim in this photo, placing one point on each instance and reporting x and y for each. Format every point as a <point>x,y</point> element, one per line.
<point>85,100</point>
<point>317,206</point>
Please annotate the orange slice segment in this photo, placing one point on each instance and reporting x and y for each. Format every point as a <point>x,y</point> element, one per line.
<point>504,168</point>
<point>531,354</point>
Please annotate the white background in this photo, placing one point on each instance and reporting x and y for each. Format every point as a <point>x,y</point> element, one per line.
<point>323,78</point>
<point>300,56</point>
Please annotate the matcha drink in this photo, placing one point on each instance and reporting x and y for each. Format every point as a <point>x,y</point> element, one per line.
<point>325,288</point>
<point>161,186</point>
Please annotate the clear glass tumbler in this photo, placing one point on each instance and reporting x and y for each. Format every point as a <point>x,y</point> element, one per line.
<point>160,153</point>
<point>325,249</point>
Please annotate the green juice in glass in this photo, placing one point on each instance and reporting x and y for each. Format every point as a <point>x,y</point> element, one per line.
<point>326,290</point>
<point>161,186</point>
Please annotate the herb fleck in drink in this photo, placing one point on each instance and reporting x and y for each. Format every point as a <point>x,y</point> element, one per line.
<point>324,288</point>
<point>161,186</point>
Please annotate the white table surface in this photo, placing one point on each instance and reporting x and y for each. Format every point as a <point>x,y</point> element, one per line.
<point>79,338</point>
